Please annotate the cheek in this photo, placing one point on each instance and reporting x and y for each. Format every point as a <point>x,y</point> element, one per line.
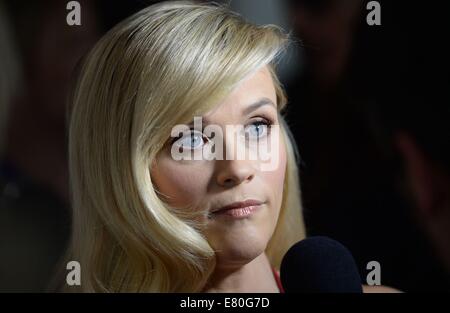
<point>274,179</point>
<point>174,181</point>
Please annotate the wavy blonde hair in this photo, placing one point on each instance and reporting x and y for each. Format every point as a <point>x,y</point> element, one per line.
<point>160,67</point>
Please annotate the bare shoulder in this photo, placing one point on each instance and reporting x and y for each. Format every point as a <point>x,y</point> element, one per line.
<point>380,289</point>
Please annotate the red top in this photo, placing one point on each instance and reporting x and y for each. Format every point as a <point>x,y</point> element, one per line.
<point>277,279</point>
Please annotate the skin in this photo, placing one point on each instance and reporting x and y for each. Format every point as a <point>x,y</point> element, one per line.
<point>242,265</point>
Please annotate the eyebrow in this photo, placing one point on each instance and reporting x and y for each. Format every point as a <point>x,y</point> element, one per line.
<point>261,102</point>
<point>252,107</point>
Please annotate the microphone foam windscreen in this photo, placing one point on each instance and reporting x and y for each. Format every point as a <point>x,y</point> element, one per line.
<point>319,264</point>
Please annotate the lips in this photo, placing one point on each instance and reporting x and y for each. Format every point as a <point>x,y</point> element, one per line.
<point>239,205</point>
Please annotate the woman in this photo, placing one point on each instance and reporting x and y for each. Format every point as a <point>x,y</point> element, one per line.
<point>145,221</point>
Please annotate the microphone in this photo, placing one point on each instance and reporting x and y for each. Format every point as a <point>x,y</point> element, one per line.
<point>319,265</point>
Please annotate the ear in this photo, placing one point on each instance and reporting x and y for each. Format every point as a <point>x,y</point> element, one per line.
<point>425,180</point>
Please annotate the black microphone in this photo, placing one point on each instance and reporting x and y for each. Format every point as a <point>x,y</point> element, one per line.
<point>319,265</point>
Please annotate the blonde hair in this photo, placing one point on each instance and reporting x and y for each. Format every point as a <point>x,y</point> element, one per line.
<point>160,67</point>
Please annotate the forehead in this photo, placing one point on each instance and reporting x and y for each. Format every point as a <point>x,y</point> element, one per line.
<point>257,87</point>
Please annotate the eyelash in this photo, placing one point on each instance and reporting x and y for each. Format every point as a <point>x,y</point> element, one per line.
<point>262,121</point>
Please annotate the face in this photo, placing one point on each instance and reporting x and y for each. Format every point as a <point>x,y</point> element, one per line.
<point>206,185</point>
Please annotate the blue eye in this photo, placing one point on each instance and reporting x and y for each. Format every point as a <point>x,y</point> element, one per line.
<point>258,129</point>
<point>192,141</point>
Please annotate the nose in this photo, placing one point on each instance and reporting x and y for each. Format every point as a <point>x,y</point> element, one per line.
<point>234,168</point>
<point>234,172</point>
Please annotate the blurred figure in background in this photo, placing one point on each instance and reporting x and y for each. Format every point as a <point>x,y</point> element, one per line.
<point>34,199</point>
<point>9,76</point>
<point>412,119</point>
<point>350,185</point>
<point>326,29</point>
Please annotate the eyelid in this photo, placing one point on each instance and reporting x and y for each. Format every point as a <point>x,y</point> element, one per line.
<point>186,133</point>
<point>262,118</point>
<point>192,131</point>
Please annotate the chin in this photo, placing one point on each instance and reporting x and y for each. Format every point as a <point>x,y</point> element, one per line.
<point>240,252</point>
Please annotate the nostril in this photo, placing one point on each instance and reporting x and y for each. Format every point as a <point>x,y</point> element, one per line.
<point>229,181</point>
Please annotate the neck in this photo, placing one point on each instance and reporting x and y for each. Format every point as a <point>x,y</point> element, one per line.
<point>255,276</point>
